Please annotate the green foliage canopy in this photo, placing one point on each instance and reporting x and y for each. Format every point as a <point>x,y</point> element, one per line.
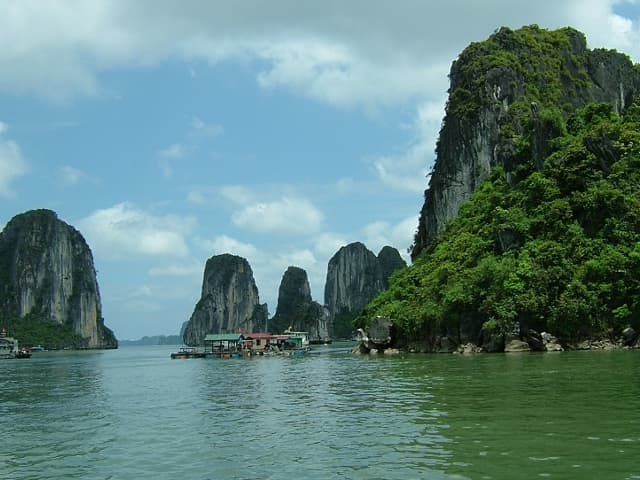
<point>559,251</point>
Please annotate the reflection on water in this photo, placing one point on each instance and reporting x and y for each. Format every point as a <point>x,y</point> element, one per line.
<point>136,413</point>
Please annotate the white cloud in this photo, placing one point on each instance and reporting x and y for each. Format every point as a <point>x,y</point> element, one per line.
<point>196,197</point>
<point>328,243</point>
<point>177,270</point>
<point>237,194</point>
<point>206,129</point>
<point>126,232</point>
<point>141,299</point>
<point>12,163</point>
<point>407,170</point>
<point>173,151</point>
<point>71,175</point>
<point>378,234</point>
<point>288,215</point>
<point>336,52</point>
<point>225,244</point>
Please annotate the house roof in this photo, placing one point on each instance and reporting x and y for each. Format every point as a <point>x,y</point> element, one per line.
<point>257,335</point>
<point>222,337</point>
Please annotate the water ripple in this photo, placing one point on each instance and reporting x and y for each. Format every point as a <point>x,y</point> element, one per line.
<point>135,413</point>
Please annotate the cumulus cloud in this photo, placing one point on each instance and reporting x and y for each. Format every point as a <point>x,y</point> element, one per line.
<point>72,176</point>
<point>328,243</point>
<point>173,152</point>
<point>126,232</point>
<point>237,194</point>
<point>399,235</point>
<point>205,129</point>
<point>288,215</point>
<point>12,163</point>
<point>226,244</point>
<point>329,51</point>
<point>177,270</point>
<point>197,197</point>
<point>407,170</point>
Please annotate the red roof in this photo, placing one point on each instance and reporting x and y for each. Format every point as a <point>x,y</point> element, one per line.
<point>257,335</point>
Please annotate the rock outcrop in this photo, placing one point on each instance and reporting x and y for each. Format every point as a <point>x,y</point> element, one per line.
<point>296,308</point>
<point>355,275</point>
<point>229,301</point>
<point>46,269</point>
<point>389,260</point>
<point>503,96</point>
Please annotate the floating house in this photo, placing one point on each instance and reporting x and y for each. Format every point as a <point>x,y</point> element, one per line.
<point>223,345</point>
<point>258,342</point>
<point>8,347</point>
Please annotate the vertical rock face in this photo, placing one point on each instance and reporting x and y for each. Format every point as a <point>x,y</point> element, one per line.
<point>354,277</point>
<point>502,98</point>
<point>229,301</point>
<point>296,309</point>
<point>46,267</point>
<point>390,260</point>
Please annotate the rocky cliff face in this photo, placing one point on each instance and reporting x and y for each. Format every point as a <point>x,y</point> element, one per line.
<point>389,260</point>
<point>229,301</point>
<point>46,268</point>
<point>296,309</point>
<point>503,97</point>
<point>355,275</point>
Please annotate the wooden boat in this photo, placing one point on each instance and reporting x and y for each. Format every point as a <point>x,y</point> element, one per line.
<point>187,352</point>
<point>23,353</point>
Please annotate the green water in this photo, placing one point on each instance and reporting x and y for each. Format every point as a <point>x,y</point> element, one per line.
<point>134,413</point>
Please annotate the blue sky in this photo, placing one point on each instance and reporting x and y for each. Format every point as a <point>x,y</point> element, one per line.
<point>168,132</point>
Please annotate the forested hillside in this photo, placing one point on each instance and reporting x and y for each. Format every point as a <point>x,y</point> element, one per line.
<point>547,246</point>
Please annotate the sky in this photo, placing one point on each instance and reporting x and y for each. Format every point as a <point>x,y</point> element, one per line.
<point>167,132</point>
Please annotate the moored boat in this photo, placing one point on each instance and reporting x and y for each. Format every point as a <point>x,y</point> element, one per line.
<point>23,353</point>
<point>187,352</point>
<point>9,348</point>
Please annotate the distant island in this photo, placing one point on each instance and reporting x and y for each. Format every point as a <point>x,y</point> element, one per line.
<point>152,340</point>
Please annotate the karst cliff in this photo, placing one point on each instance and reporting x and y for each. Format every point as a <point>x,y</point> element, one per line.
<point>355,275</point>
<point>297,310</point>
<point>504,96</point>
<point>47,273</point>
<point>229,301</point>
<point>529,237</point>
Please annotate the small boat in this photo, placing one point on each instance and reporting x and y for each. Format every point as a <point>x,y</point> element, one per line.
<point>187,352</point>
<point>23,353</point>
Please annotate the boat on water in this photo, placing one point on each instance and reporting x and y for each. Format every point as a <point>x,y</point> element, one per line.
<point>186,352</point>
<point>23,353</point>
<point>9,348</point>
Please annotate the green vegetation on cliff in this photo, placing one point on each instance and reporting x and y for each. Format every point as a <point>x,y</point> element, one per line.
<point>509,96</point>
<point>33,330</point>
<point>556,251</point>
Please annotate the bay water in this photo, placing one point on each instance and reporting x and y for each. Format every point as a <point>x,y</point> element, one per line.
<point>133,413</point>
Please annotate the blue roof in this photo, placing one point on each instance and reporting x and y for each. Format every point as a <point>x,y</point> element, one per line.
<point>222,337</point>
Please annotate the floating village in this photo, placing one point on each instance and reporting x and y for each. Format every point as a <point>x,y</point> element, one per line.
<point>246,345</point>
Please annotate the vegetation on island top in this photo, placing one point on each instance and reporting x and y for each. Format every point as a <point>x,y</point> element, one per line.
<point>557,251</point>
